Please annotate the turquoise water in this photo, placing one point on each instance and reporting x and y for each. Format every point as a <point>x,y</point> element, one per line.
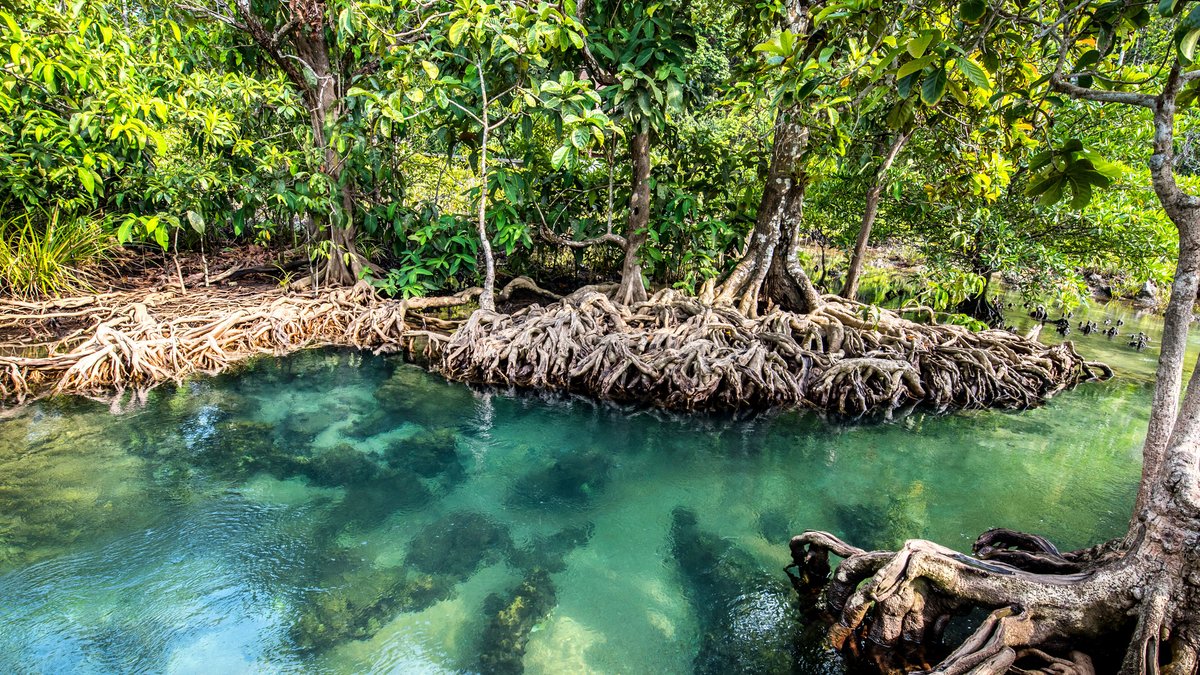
<point>335,512</point>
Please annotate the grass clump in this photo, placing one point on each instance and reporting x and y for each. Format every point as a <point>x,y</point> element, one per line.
<point>43,254</point>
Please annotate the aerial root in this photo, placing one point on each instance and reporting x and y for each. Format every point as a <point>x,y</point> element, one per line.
<point>678,352</point>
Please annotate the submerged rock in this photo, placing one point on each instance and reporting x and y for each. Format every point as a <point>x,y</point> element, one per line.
<point>412,395</point>
<point>457,544</point>
<point>341,465</point>
<point>513,618</point>
<point>356,603</point>
<point>774,525</point>
<point>569,481</point>
<point>549,553</point>
<point>749,621</point>
<point>428,454</point>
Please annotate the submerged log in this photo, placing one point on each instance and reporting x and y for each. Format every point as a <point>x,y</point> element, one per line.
<point>677,352</point>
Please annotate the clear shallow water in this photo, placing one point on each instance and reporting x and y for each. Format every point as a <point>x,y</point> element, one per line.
<point>333,512</point>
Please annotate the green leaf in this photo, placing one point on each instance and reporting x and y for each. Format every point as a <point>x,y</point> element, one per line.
<point>431,71</point>
<point>580,138</point>
<point>86,178</point>
<point>196,221</point>
<point>1168,7</point>
<point>457,30</point>
<point>1187,35</point>
<point>1040,185</point>
<point>915,65</point>
<point>1041,159</point>
<point>1089,58</point>
<point>972,10</point>
<point>934,87</point>
<point>1054,192</point>
<point>160,235</point>
<point>973,72</point>
<point>125,232</point>
<point>1081,191</point>
<point>918,45</point>
<point>559,157</point>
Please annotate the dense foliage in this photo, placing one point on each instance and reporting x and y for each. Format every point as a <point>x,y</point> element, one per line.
<point>410,142</point>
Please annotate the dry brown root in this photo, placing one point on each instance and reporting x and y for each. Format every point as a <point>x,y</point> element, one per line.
<point>678,352</point>
<point>883,605</point>
<point>150,340</point>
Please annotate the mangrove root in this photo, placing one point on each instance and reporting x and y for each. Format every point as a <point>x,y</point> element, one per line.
<point>137,342</point>
<point>678,352</point>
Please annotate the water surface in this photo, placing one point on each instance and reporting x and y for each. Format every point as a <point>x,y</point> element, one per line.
<point>335,512</point>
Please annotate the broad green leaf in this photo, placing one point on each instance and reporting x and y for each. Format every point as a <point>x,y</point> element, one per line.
<point>1082,192</point>
<point>915,65</point>
<point>973,72</point>
<point>559,157</point>
<point>86,179</point>
<point>457,30</point>
<point>934,87</point>
<point>1188,34</point>
<point>196,221</point>
<point>918,45</point>
<point>972,10</point>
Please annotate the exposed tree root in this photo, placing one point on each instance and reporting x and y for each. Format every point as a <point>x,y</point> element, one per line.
<point>678,352</point>
<point>1046,608</point>
<point>135,342</point>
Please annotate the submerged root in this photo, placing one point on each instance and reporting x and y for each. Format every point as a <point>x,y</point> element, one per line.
<point>678,352</point>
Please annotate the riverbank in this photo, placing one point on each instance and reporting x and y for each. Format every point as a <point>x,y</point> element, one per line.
<point>675,351</point>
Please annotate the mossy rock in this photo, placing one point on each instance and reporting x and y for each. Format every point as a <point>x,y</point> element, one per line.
<point>341,465</point>
<point>367,504</point>
<point>513,618</point>
<point>413,395</point>
<point>428,454</point>
<point>549,553</point>
<point>356,604</point>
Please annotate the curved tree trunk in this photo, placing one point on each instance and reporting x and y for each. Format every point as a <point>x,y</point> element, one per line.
<point>770,266</point>
<point>311,71</point>
<point>771,262</point>
<point>1048,607</point>
<point>632,289</point>
<point>870,211</point>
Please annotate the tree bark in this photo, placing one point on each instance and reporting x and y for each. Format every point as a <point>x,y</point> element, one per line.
<point>771,259</point>
<point>487,299</point>
<point>871,210</point>
<point>304,31</point>
<point>770,264</point>
<point>1144,588</point>
<point>632,289</point>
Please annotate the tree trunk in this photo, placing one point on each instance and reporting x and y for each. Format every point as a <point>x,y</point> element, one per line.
<point>318,84</point>
<point>771,259</point>
<point>344,265</point>
<point>1047,606</point>
<point>850,289</point>
<point>487,299</point>
<point>632,289</point>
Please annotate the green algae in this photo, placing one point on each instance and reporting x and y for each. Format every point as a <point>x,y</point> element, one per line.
<point>513,618</point>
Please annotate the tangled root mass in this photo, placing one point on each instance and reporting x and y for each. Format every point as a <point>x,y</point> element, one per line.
<point>678,352</point>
